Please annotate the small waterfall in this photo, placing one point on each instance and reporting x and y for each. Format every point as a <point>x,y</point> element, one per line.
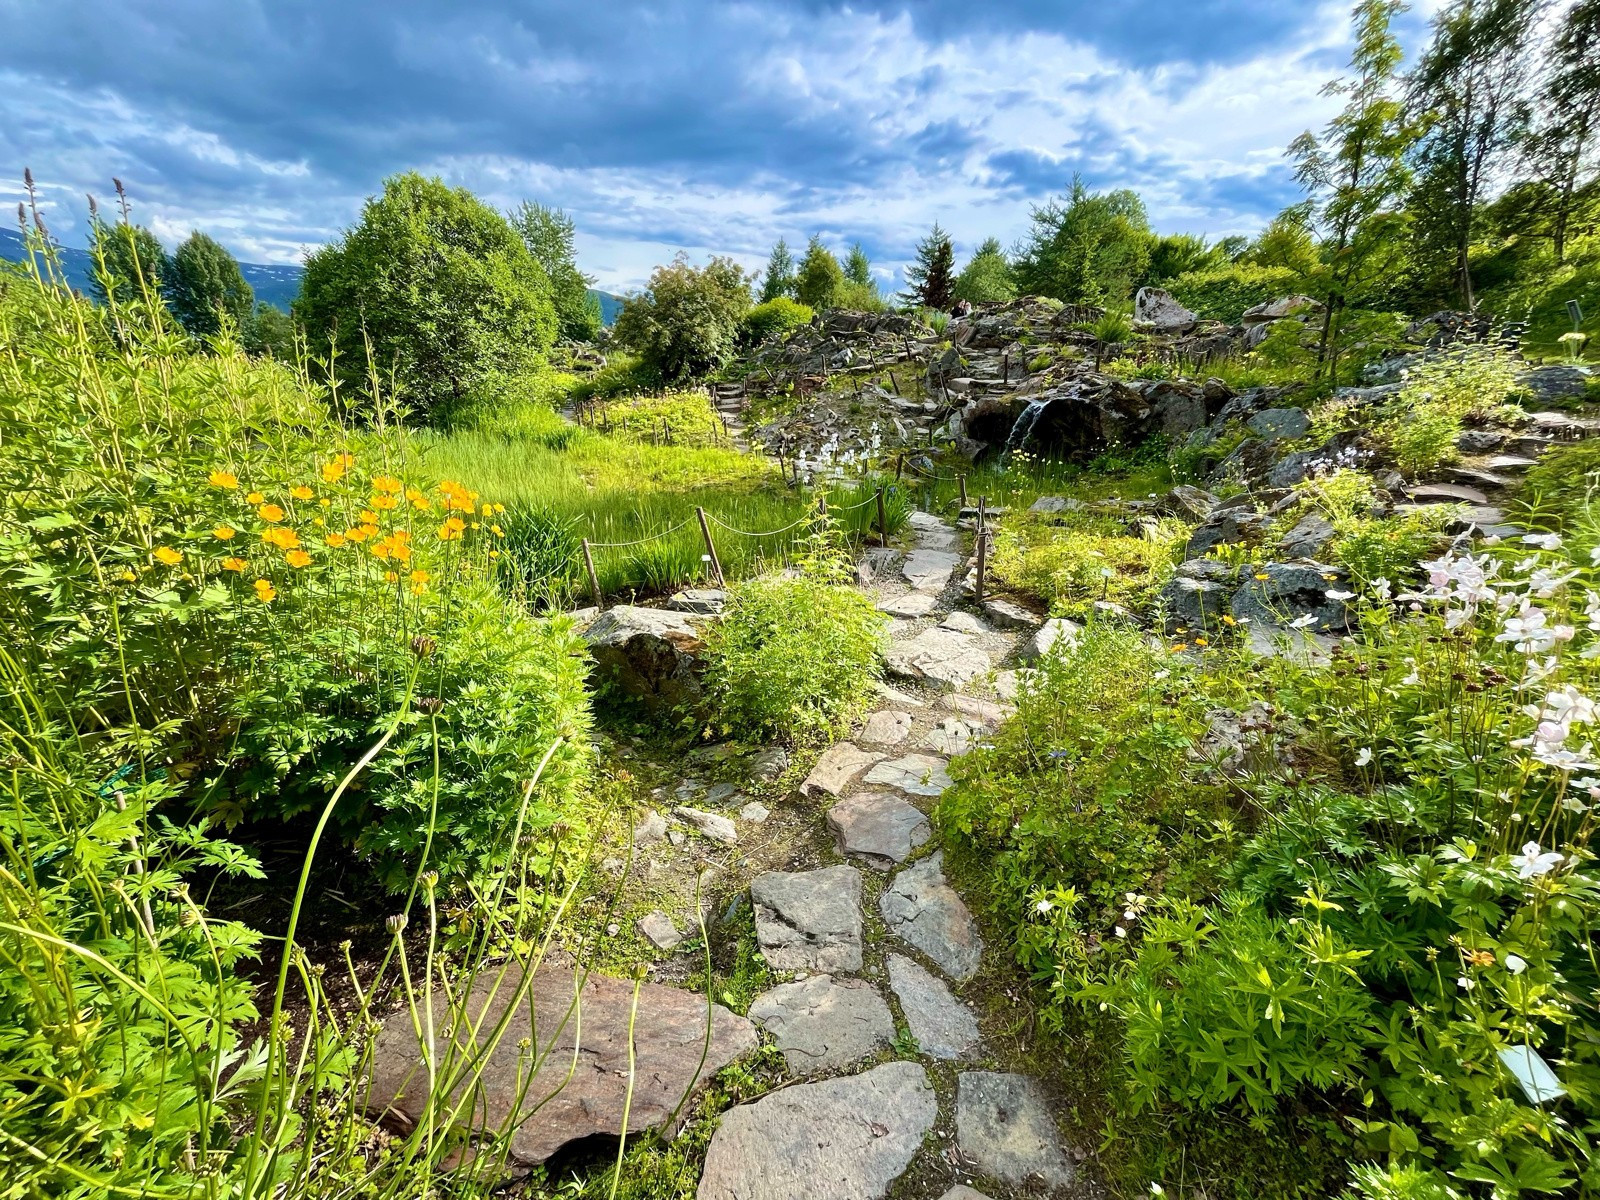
<point>1022,430</point>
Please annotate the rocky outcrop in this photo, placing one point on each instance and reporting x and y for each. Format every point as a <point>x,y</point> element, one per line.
<point>646,654</point>
<point>544,1026</point>
<point>1156,310</point>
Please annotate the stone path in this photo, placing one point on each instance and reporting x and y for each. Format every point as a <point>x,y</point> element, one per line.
<point>875,947</point>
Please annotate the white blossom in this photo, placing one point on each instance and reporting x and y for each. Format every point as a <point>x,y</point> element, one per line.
<point>1516,965</point>
<point>1545,541</point>
<point>1531,863</point>
<point>1365,757</point>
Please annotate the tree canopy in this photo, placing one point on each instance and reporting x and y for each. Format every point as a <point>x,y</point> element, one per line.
<point>820,278</point>
<point>930,279</point>
<point>687,321</point>
<point>447,291</point>
<point>1088,248</point>
<point>778,280</point>
<point>548,233</point>
<point>987,276</point>
<point>129,261</point>
<point>205,287</point>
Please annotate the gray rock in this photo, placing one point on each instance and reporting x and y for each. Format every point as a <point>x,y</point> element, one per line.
<point>1180,407</point>
<point>1055,504</point>
<point>720,793</point>
<point>886,728</point>
<point>646,654</point>
<point>899,699</point>
<point>669,1042</point>
<point>943,1026</point>
<point>1277,310</point>
<point>1511,462</point>
<point>918,774</point>
<point>650,829</point>
<point>822,1024</point>
<point>962,1192</point>
<point>1004,1126</point>
<point>755,812</point>
<point>1556,383</point>
<point>1291,593</point>
<point>1194,604</point>
<point>1008,614</point>
<point>809,920</point>
<point>1054,633</point>
<point>1480,441</point>
<point>923,909</point>
<point>1288,423</point>
<point>953,737</point>
<point>1446,493</point>
<point>1226,527</point>
<point>659,930</point>
<point>1156,310</point>
<point>983,712</point>
<point>705,602</point>
<point>929,570</point>
<point>712,825</point>
<point>963,622</point>
<point>840,1139</point>
<point>1007,684</point>
<point>839,764</point>
<point>1309,537</point>
<point>911,605</point>
<point>1189,501</point>
<point>767,764</point>
<point>940,658</point>
<point>881,828</point>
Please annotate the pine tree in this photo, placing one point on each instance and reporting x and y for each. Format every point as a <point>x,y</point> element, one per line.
<point>1563,147</point>
<point>779,277</point>
<point>205,286</point>
<point>858,267</point>
<point>550,236</point>
<point>1468,91</point>
<point>1357,170</point>
<point>930,281</point>
<point>987,277</point>
<point>820,277</point>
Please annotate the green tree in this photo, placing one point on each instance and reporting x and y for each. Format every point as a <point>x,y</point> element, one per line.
<point>445,288</point>
<point>1086,249</point>
<point>1176,254</point>
<point>270,331</point>
<point>820,278</point>
<point>130,261</point>
<point>687,322</point>
<point>548,233</point>
<point>930,279</point>
<point>1563,145</point>
<point>1468,93</point>
<point>205,287</point>
<point>778,280</point>
<point>858,267</point>
<point>1286,243</point>
<point>1356,172</point>
<point>986,279</point>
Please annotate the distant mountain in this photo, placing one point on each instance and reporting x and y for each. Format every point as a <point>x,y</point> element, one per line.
<point>273,284</point>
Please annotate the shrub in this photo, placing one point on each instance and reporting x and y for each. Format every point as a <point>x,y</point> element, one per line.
<point>686,322</point>
<point>1222,293</point>
<point>775,319</point>
<point>1420,426</point>
<point>1369,541</point>
<point>1073,564</point>
<point>1114,327</point>
<point>794,656</point>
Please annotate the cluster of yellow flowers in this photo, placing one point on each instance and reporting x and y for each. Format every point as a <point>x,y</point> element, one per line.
<point>392,546</point>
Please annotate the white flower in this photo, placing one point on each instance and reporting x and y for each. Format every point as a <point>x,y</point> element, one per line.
<point>1042,907</point>
<point>1333,595</point>
<point>1120,931</point>
<point>1302,622</point>
<point>1562,759</point>
<point>1382,588</point>
<point>1531,632</point>
<point>1465,984</point>
<point>1364,757</point>
<point>1516,965</point>
<point>1545,541</point>
<point>1531,863</point>
<point>1545,583</point>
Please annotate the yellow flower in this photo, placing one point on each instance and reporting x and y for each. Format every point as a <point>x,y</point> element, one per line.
<point>1180,646</point>
<point>488,510</point>
<point>392,576</point>
<point>420,576</point>
<point>127,575</point>
<point>386,483</point>
<point>1262,575</point>
<point>418,589</point>
<point>302,492</point>
<point>1200,641</point>
<point>169,556</point>
<point>223,479</point>
<point>335,540</point>
<point>334,471</point>
<point>383,501</point>
<point>283,539</point>
<point>494,554</point>
<point>325,502</point>
<point>451,530</point>
<point>223,532</point>
<point>297,559</point>
<point>499,508</point>
<point>254,498</point>
<point>270,512</point>
<point>382,549</point>
<point>368,517</point>
<point>265,592</point>
<point>497,531</point>
<point>1227,620</point>
<point>234,564</point>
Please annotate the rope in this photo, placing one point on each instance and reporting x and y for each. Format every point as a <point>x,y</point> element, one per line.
<point>872,499</point>
<point>772,533</point>
<point>649,537</point>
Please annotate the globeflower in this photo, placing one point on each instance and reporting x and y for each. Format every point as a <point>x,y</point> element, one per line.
<point>335,540</point>
<point>169,556</point>
<point>297,559</point>
<point>301,492</point>
<point>226,480</point>
<point>386,483</point>
<point>283,539</point>
<point>265,592</point>
<point>334,470</point>
<point>451,530</point>
<point>232,563</point>
<point>223,532</point>
<point>255,498</point>
<point>270,512</point>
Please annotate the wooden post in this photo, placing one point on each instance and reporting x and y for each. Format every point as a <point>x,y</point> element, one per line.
<point>961,482</point>
<point>666,433</point>
<point>883,521</point>
<point>900,466</point>
<point>983,543</point>
<point>594,579</point>
<point>711,547</point>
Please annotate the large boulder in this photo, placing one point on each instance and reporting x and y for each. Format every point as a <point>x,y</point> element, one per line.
<point>671,1057</point>
<point>1227,527</point>
<point>1299,595</point>
<point>1196,598</point>
<point>1156,310</point>
<point>1277,310</point>
<point>647,654</point>
<point>1180,407</point>
<point>1552,383</point>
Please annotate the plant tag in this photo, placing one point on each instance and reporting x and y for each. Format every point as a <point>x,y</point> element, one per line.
<point>1533,1073</point>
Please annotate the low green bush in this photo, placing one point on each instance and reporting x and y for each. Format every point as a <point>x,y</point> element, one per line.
<point>794,656</point>
<point>1072,560</point>
<point>1223,293</point>
<point>1419,428</point>
<point>776,319</point>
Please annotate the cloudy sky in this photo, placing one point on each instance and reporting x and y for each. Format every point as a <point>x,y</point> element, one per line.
<point>664,125</point>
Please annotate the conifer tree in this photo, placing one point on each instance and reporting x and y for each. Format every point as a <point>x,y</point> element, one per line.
<point>858,267</point>
<point>820,278</point>
<point>930,280</point>
<point>779,277</point>
<point>987,278</point>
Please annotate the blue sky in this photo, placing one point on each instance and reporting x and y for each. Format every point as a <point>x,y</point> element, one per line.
<point>667,125</point>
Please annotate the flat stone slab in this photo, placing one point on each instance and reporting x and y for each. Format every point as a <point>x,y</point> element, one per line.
<point>649,829</point>
<point>985,712</point>
<point>705,602</point>
<point>963,622</point>
<point>881,828</point>
<point>712,825</point>
<point>839,764</point>
<point>887,728</point>
<point>659,930</point>
<point>1008,614</point>
<point>929,570</point>
<point>943,1026</point>
<point>669,1037</point>
<point>962,1192</point>
<point>840,1139</point>
<point>946,659</point>
<point>822,1023</point>
<point>921,908</point>
<point>809,920</point>
<point>918,774</point>
<point>1004,1127</point>
<point>911,605</point>
<point>953,736</point>
<point>1446,493</point>
<point>1057,631</point>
